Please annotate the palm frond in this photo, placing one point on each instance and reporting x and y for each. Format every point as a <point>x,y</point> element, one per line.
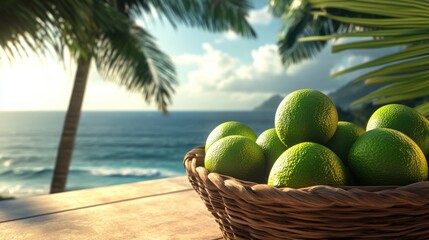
<point>298,22</point>
<point>130,57</point>
<point>292,51</point>
<point>34,26</point>
<point>418,51</point>
<point>423,108</point>
<point>368,33</point>
<point>211,15</point>
<point>279,7</point>
<point>391,23</point>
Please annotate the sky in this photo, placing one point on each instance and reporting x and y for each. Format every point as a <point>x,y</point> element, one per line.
<point>215,71</point>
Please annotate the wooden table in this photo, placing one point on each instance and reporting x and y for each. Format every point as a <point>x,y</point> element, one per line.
<point>159,209</point>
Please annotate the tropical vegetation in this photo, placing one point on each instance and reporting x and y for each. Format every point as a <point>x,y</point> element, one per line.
<point>309,24</point>
<point>104,34</point>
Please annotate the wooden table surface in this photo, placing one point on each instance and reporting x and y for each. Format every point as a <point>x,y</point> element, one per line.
<point>159,209</point>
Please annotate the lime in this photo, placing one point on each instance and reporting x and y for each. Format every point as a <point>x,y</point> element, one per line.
<point>307,164</point>
<point>385,156</point>
<point>229,129</point>
<point>343,139</point>
<point>238,157</point>
<point>271,146</point>
<point>404,119</point>
<point>305,116</point>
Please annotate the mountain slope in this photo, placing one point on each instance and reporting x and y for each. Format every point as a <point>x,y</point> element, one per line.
<point>344,96</point>
<point>270,104</point>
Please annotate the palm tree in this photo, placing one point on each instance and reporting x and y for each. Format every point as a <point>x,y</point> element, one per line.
<point>104,32</point>
<point>130,56</point>
<point>389,23</point>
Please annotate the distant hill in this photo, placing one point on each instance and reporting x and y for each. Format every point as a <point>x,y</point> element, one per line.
<point>345,95</point>
<point>270,104</point>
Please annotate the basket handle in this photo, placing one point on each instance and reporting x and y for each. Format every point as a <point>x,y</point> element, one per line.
<point>198,153</point>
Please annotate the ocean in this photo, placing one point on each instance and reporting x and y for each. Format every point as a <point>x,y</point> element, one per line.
<point>111,147</point>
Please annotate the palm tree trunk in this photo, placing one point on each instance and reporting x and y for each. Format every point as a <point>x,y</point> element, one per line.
<point>65,149</point>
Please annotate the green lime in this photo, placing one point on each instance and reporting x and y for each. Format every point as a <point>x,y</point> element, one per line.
<point>238,157</point>
<point>404,119</point>
<point>343,139</point>
<point>385,156</point>
<point>306,116</point>
<point>307,164</point>
<point>229,129</point>
<point>271,146</point>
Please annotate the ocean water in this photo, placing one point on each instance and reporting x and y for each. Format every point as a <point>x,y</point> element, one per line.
<point>111,147</point>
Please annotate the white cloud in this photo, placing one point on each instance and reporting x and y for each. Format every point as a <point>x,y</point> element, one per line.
<point>221,81</point>
<point>186,99</point>
<point>185,59</point>
<point>214,74</point>
<point>214,67</point>
<point>267,60</point>
<point>230,35</point>
<point>260,16</point>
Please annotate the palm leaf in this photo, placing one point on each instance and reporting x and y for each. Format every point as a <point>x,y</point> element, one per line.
<point>211,15</point>
<point>423,108</point>
<point>398,91</point>
<point>297,23</point>
<point>413,65</point>
<point>394,23</point>
<point>279,7</point>
<point>403,55</point>
<point>34,26</point>
<point>368,33</point>
<point>130,57</point>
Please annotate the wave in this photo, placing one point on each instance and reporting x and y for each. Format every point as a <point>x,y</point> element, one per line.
<point>30,172</point>
<point>130,172</point>
<point>18,190</point>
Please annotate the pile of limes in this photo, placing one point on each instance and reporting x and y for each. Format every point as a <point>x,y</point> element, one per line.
<point>309,146</point>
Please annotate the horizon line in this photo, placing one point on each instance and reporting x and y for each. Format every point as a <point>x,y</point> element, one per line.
<point>154,111</point>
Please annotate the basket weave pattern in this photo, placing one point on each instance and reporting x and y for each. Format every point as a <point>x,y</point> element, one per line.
<point>246,210</point>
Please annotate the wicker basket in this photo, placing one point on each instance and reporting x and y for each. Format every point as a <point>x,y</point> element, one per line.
<point>246,210</point>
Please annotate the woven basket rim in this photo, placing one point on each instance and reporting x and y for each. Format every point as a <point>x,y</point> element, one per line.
<point>382,196</point>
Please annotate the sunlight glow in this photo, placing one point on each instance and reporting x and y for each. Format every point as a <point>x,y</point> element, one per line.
<point>33,84</point>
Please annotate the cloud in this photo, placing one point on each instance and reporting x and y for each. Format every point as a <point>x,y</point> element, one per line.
<point>219,79</point>
<point>212,68</point>
<point>185,59</point>
<point>230,35</point>
<point>191,98</point>
<point>260,16</point>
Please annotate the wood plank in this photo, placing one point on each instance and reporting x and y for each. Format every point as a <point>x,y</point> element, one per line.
<point>178,215</point>
<point>44,204</point>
